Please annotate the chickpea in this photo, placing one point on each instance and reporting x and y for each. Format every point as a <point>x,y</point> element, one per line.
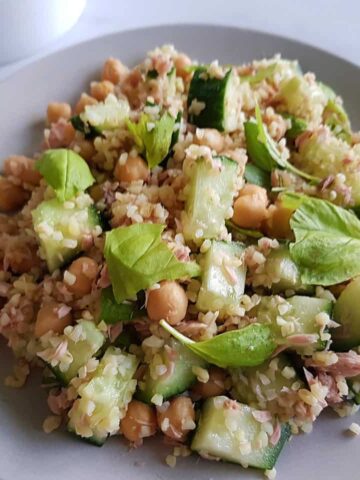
<point>85,270</point>
<point>181,63</point>
<point>168,302</point>
<point>178,419</point>
<point>96,192</point>
<point>22,168</point>
<point>211,138</point>
<point>56,110</point>
<point>277,225</point>
<point>250,207</point>
<point>84,101</point>
<point>114,71</point>
<point>135,168</point>
<point>21,257</point>
<point>7,224</point>
<point>100,90</point>
<point>214,386</point>
<point>86,148</point>
<point>12,197</point>
<point>54,317</point>
<point>139,422</point>
<point>61,134</point>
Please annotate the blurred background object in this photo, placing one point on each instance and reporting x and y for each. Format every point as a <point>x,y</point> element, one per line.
<point>27,26</point>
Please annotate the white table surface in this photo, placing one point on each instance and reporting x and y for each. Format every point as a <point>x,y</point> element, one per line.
<point>333,25</point>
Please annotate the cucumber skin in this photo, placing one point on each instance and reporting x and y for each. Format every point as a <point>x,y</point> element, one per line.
<point>346,312</point>
<point>95,441</point>
<point>212,92</point>
<point>270,454</point>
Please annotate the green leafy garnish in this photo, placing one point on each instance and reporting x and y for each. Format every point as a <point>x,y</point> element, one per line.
<point>257,176</point>
<point>247,347</point>
<point>86,129</point>
<point>66,172</point>
<point>243,231</point>
<point>137,258</point>
<point>327,240</point>
<point>260,75</point>
<point>298,126</point>
<point>152,74</point>
<point>264,152</point>
<point>153,138</point>
<point>112,312</point>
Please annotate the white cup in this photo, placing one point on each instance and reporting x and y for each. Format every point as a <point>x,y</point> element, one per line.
<point>26,26</point>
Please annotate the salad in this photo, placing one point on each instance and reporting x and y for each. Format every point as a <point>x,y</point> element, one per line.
<point>181,257</point>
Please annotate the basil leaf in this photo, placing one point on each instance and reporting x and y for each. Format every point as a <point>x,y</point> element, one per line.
<point>298,126</point>
<point>153,138</point>
<point>66,172</point>
<point>327,240</point>
<point>112,312</point>
<point>243,231</point>
<point>137,258</point>
<point>86,129</point>
<point>264,151</point>
<point>247,347</point>
<point>257,176</point>
<point>260,75</point>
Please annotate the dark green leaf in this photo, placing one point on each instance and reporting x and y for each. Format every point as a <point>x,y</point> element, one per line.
<point>243,231</point>
<point>66,172</point>
<point>86,129</point>
<point>257,176</point>
<point>246,347</point>
<point>112,312</point>
<point>137,258</point>
<point>152,74</point>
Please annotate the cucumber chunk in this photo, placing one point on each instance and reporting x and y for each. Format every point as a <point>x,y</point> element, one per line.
<point>280,267</point>
<point>209,195</point>
<point>223,278</point>
<point>90,342</point>
<point>179,376</point>
<point>228,430</point>
<point>218,99</point>
<point>347,313</point>
<point>268,385</point>
<point>294,321</point>
<point>62,230</point>
<point>354,387</point>
<point>103,399</point>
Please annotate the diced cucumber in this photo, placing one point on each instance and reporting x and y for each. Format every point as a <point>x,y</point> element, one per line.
<point>215,102</point>
<point>323,154</point>
<point>347,313</point>
<point>228,430</point>
<point>293,321</point>
<point>264,385</point>
<point>61,230</point>
<point>179,376</point>
<point>103,399</point>
<point>107,115</point>
<point>209,196</point>
<point>302,98</point>
<point>354,387</point>
<point>223,278</point>
<point>91,341</point>
<point>280,266</point>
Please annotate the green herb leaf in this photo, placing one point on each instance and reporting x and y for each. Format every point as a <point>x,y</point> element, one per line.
<point>66,172</point>
<point>264,152</point>
<point>86,129</point>
<point>243,231</point>
<point>247,347</point>
<point>257,176</point>
<point>327,240</point>
<point>260,75</point>
<point>112,312</point>
<point>153,137</point>
<point>151,74</point>
<point>137,258</point>
<point>298,126</point>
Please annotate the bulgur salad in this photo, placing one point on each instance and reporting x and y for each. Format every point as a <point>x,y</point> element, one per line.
<point>181,257</point>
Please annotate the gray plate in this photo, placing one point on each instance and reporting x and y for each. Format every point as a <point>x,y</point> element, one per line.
<point>26,453</point>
